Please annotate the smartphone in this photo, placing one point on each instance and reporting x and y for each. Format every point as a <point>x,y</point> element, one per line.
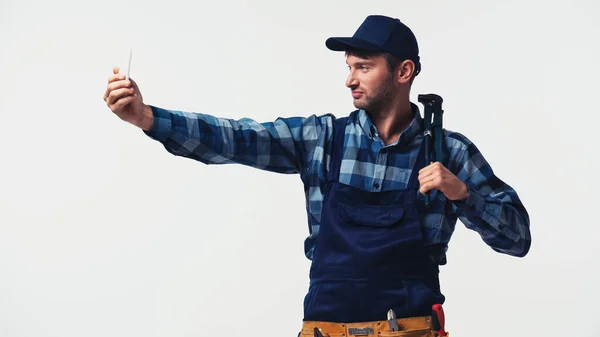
<point>129,65</point>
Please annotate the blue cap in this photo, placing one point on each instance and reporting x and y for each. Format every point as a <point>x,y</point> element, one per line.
<point>380,33</point>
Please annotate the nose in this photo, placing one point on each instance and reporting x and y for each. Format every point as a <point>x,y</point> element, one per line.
<point>351,81</point>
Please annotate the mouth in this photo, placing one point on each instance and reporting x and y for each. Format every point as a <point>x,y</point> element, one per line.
<point>357,94</point>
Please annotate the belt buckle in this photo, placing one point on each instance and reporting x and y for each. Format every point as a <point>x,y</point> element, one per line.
<point>360,331</point>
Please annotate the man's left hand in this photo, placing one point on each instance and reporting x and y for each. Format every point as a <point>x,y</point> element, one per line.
<point>436,176</point>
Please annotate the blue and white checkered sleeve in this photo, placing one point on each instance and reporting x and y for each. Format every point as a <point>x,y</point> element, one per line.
<point>493,208</point>
<point>283,146</point>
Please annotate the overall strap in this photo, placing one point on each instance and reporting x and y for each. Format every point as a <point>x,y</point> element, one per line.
<point>337,146</point>
<point>413,182</point>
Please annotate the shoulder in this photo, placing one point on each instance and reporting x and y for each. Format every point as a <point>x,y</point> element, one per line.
<point>310,122</point>
<point>461,150</point>
<point>352,117</point>
<point>330,120</point>
<point>457,142</point>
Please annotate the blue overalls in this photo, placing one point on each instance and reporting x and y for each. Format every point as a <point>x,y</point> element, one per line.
<point>370,254</point>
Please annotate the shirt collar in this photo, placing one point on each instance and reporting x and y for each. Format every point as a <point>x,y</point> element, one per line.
<point>365,122</point>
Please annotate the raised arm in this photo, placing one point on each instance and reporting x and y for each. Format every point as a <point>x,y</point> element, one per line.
<point>285,145</point>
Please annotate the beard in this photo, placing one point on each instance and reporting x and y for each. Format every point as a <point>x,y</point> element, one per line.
<point>379,98</point>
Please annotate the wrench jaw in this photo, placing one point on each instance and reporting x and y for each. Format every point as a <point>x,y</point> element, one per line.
<point>430,99</point>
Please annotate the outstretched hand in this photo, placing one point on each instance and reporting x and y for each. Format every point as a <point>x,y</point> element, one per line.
<point>437,176</point>
<point>124,99</point>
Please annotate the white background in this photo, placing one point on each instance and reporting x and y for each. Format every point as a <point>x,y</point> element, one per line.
<point>103,233</point>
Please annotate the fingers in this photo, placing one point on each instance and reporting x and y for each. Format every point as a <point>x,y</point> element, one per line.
<point>115,95</point>
<point>115,85</point>
<point>121,103</point>
<point>431,177</point>
<point>428,175</point>
<point>116,77</point>
<point>115,81</point>
<point>427,178</point>
<point>424,188</point>
<point>429,182</point>
<point>431,166</point>
<point>436,169</point>
<point>428,185</point>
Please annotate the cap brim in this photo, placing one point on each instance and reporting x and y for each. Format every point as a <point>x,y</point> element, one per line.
<point>345,43</point>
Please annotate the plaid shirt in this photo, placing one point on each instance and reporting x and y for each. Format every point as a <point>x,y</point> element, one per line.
<point>302,145</point>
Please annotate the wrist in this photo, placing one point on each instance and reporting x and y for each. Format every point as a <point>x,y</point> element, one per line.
<point>146,119</point>
<point>465,193</point>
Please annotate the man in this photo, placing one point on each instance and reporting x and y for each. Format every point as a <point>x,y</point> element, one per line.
<point>373,245</point>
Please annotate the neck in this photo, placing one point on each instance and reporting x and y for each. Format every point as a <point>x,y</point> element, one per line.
<point>392,121</point>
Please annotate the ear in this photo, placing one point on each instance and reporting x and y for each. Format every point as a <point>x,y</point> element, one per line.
<point>404,71</point>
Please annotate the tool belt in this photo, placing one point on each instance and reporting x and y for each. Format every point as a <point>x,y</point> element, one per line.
<point>421,326</point>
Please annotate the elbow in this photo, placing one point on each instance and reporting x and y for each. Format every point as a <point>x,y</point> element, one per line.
<point>522,245</point>
<point>516,248</point>
<point>522,249</point>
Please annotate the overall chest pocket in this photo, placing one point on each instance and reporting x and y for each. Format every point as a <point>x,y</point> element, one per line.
<point>371,216</point>
<point>372,226</point>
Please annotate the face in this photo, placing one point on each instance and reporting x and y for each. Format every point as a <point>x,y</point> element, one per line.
<point>371,82</point>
